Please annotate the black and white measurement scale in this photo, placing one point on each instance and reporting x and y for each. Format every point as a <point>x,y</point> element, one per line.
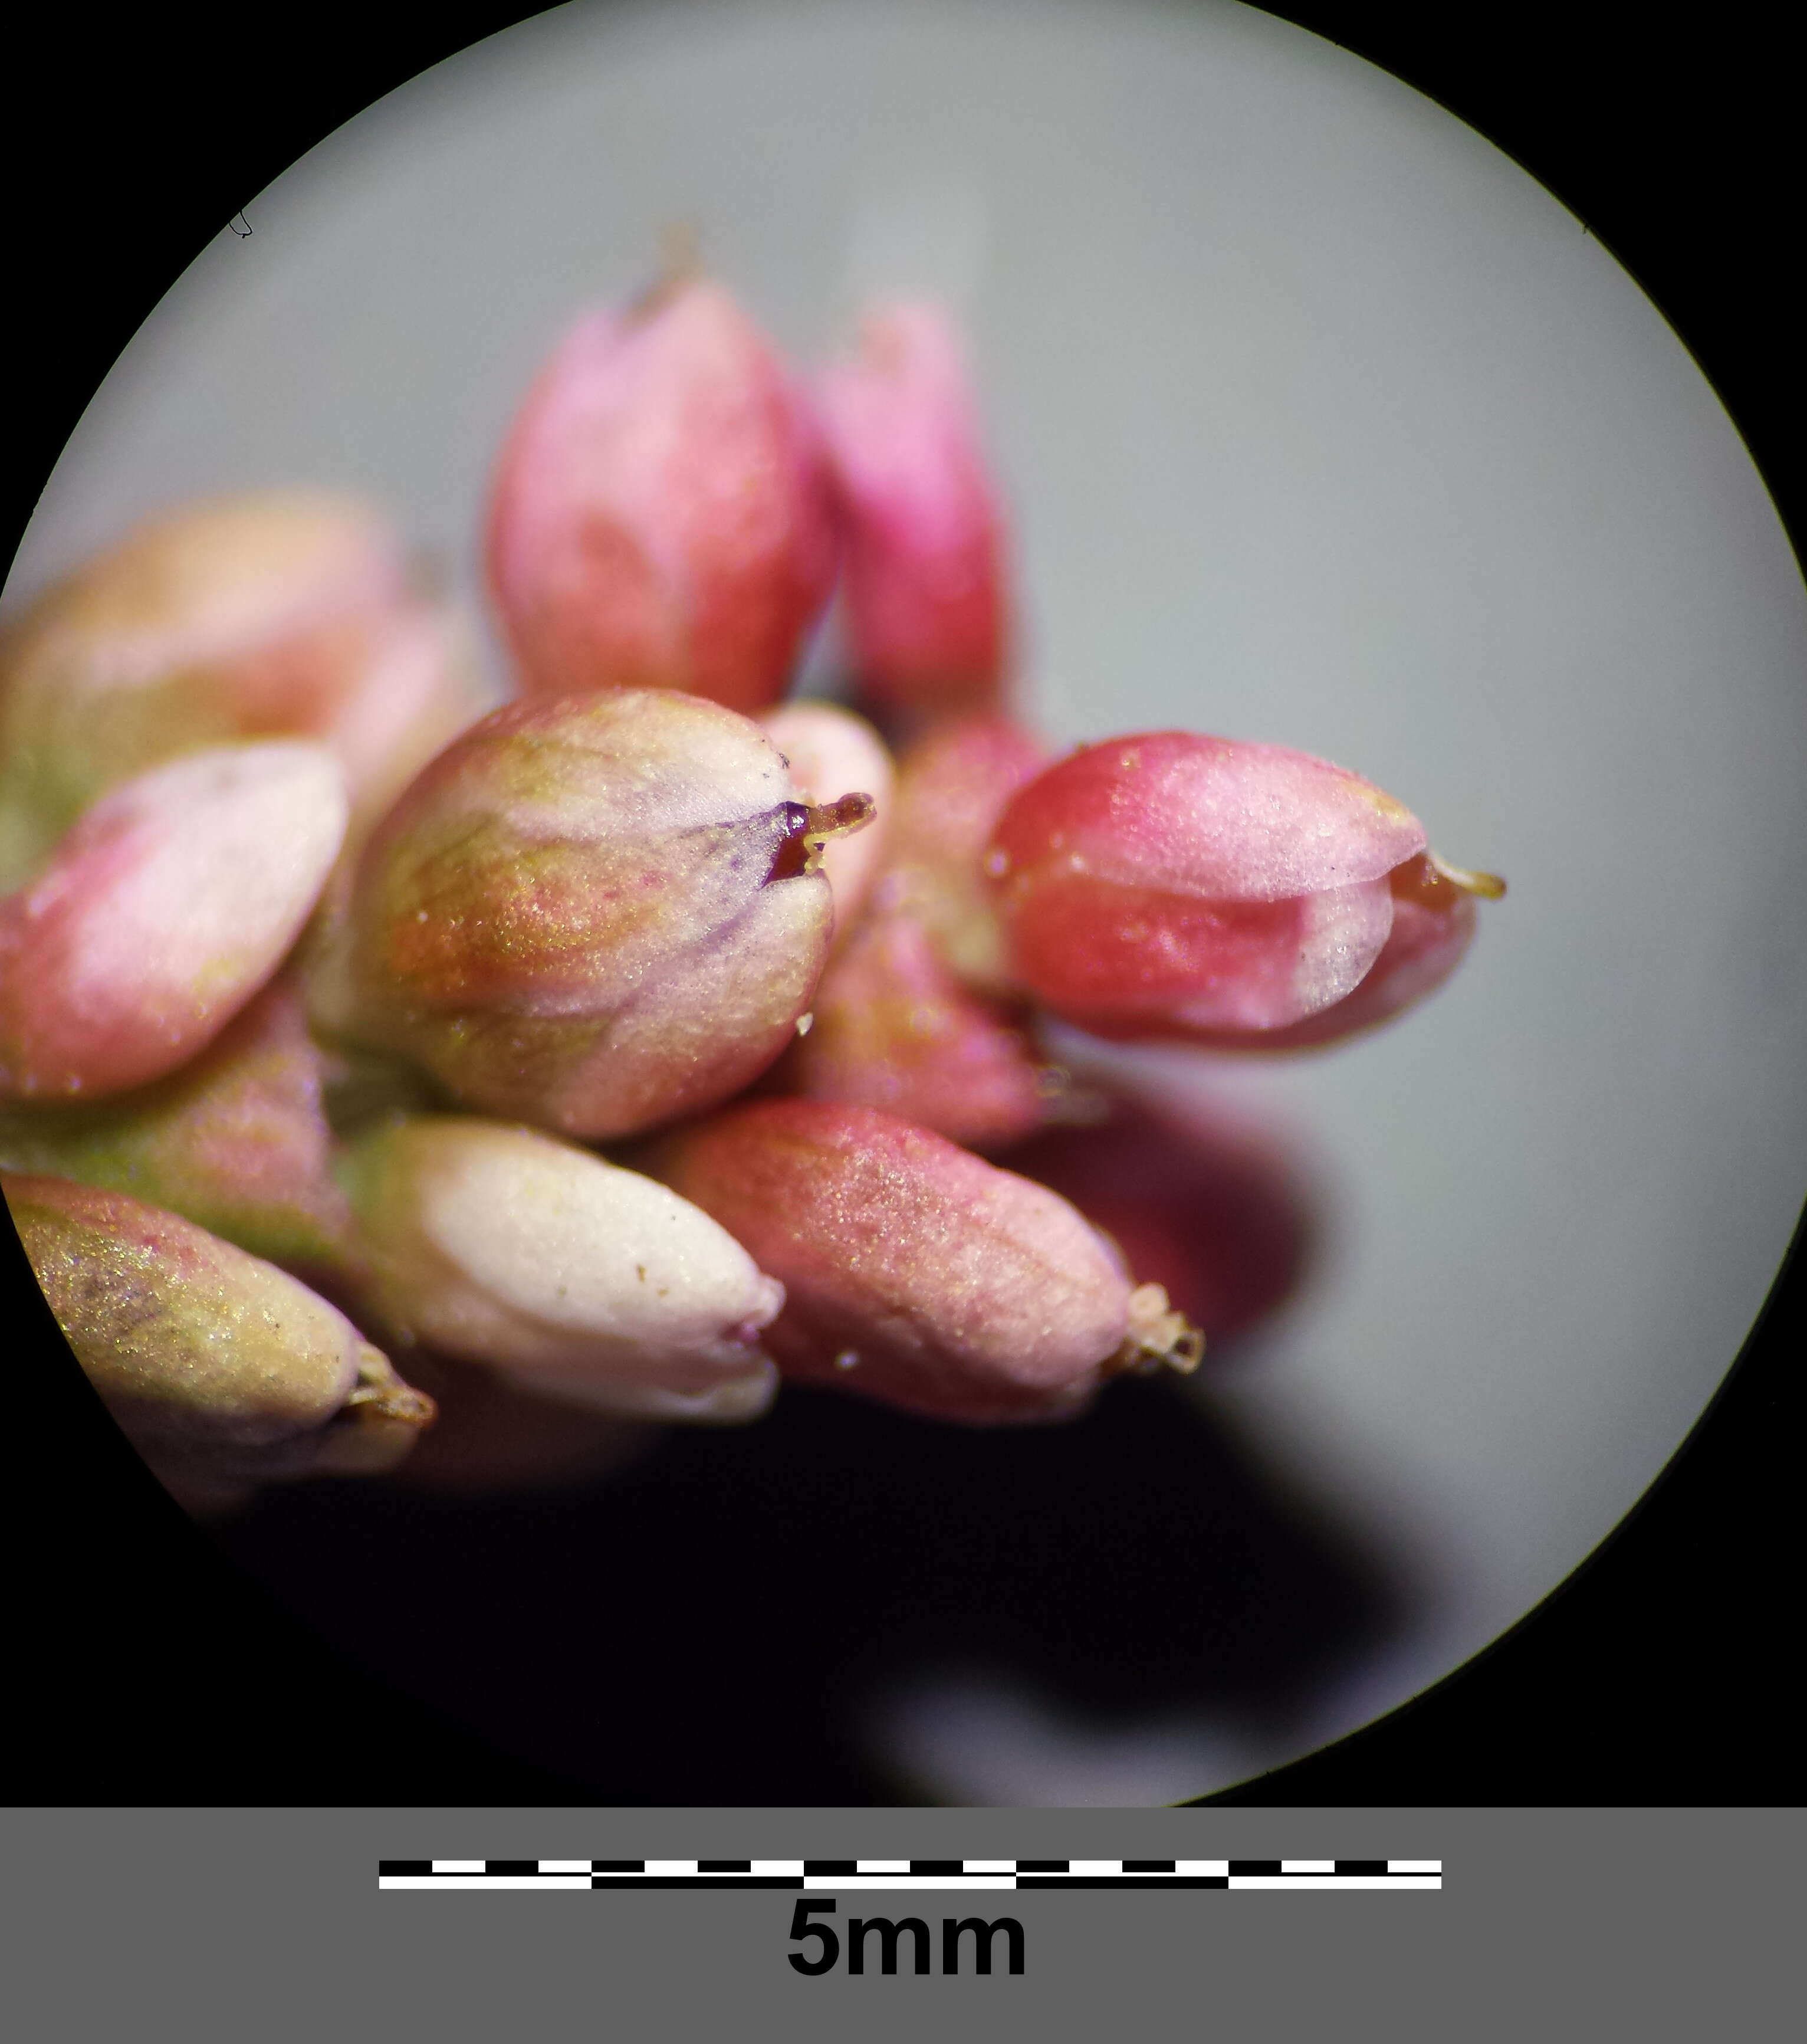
<point>830,1875</point>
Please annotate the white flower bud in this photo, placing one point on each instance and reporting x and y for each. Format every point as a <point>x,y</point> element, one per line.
<point>577,1279</point>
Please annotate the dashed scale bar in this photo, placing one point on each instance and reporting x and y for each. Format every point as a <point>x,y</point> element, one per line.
<point>896,1874</point>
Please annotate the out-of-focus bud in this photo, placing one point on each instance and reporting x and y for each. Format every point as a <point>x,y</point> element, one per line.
<point>954,783</point>
<point>660,517</point>
<point>893,1028</point>
<point>927,609</point>
<point>595,914</point>
<point>283,613</point>
<point>160,914</point>
<point>828,747</point>
<point>1167,884</point>
<point>420,686</point>
<point>1205,1204</point>
<point>581,1281</point>
<point>235,1140</point>
<point>913,1270</point>
<point>222,1370</point>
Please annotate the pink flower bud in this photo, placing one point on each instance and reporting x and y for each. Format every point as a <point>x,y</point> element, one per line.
<point>235,1140</point>
<point>579,1281</point>
<point>912,1270</point>
<point>660,516</point>
<point>1207,1206</point>
<point>828,747</point>
<point>927,606</point>
<point>160,914</point>
<point>893,1028</point>
<point>278,614</point>
<point>595,913</point>
<point>954,783</point>
<point>1167,883</point>
<point>220,1368</point>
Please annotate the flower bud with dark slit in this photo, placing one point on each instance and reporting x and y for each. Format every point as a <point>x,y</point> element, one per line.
<point>593,914</point>
<point>223,1371</point>
<point>1172,885</point>
<point>913,1270</point>
<point>927,608</point>
<point>660,516</point>
<point>160,914</point>
<point>826,746</point>
<point>578,1281</point>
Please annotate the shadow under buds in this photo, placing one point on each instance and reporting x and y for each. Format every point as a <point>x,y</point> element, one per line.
<point>913,1271</point>
<point>160,914</point>
<point>574,1279</point>
<point>660,516</point>
<point>1170,885</point>
<point>595,913</point>
<point>223,1371</point>
<point>491,1438</point>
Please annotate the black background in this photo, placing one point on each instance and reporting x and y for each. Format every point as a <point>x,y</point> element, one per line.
<point>145,1670</point>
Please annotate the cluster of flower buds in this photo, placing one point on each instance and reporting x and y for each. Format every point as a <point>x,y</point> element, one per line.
<point>618,1042</point>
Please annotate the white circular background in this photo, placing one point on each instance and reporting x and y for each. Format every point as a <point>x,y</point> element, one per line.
<point>1322,422</point>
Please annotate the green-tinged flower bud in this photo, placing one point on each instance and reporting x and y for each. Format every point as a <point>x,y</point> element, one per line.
<point>593,914</point>
<point>167,908</point>
<point>577,1279</point>
<point>221,1369</point>
<point>235,1141</point>
<point>282,612</point>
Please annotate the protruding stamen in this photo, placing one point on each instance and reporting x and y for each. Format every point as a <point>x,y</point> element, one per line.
<point>1157,1335</point>
<point>1488,885</point>
<point>808,827</point>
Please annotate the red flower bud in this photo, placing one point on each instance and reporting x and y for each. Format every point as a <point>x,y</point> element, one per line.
<point>1167,883</point>
<point>596,913</point>
<point>913,1270</point>
<point>660,516</point>
<point>926,607</point>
